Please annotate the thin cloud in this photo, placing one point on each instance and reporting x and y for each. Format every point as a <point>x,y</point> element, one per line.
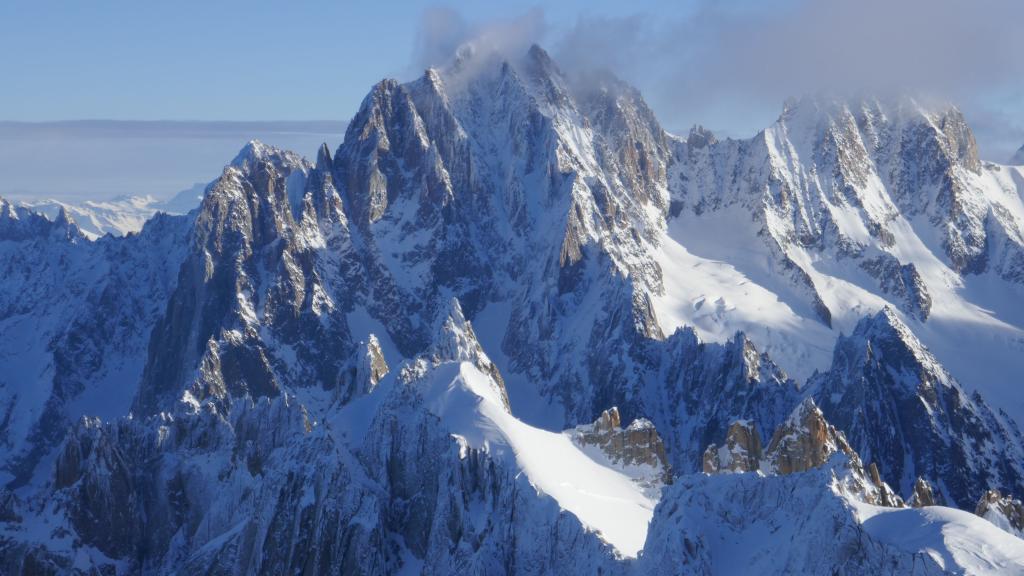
<point>442,31</point>
<point>731,67</point>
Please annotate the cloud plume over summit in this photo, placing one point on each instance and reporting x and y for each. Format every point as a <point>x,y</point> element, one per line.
<point>730,66</point>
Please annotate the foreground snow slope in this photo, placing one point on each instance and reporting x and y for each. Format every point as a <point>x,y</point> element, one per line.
<point>604,499</point>
<point>804,524</point>
<point>473,406</point>
<point>957,541</point>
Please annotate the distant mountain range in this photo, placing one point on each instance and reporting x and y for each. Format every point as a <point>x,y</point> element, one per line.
<point>118,216</point>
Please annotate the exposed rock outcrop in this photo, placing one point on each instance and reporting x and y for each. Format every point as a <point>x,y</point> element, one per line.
<point>901,281</point>
<point>637,445</point>
<point>924,495</point>
<point>251,283</point>
<point>804,442</point>
<point>708,386</point>
<point>368,370</point>
<point>456,342</point>
<point>885,495</point>
<point>740,453</point>
<point>1003,511</point>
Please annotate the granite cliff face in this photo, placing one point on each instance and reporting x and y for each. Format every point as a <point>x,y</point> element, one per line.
<point>741,451</point>
<point>254,284</point>
<point>401,356</point>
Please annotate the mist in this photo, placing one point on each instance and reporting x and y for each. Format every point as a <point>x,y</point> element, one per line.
<point>100,160</point>
<point>731,66</point>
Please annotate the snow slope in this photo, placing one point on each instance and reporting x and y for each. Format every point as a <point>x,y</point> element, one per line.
<point>726,290</point>
<point>604,499</point>
<point>806,523</point>
<point>958,541</point>
<point>720,284</point>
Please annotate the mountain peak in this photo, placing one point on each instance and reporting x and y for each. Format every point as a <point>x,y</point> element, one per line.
<point>1018,157</point>
<point>806,411</point>
<point>942,119</point>
<point>256,152</point>
<point>540,56</point>
<point>885,325</point>
<point>7,210</point>
<point>699,137</point>
<point>253,150</point>
<point>883,337</point>
<point>323,158</point>
<point>370,369</point>
<point>64,218</point>
<point>433,77</point>
<point>457,342</point>
<point>455,339</point>
<point>804,441</point>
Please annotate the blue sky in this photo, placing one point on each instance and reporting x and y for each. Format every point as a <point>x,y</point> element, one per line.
<point>225,60</point>
<point>728,65</point>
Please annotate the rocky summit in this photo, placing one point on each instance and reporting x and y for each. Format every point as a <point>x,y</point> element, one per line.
<point>511,325</point>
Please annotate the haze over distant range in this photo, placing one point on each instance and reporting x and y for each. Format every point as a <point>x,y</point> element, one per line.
<point>99,160</point>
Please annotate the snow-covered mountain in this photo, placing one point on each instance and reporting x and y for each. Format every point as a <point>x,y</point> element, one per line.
<point>118,216</point>
<point>843,207</point>
<point>512,326</point>
<point>75,319</point>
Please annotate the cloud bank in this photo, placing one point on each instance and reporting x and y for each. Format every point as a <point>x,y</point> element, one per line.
<point>730,66</point>
<point>442,31</point>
